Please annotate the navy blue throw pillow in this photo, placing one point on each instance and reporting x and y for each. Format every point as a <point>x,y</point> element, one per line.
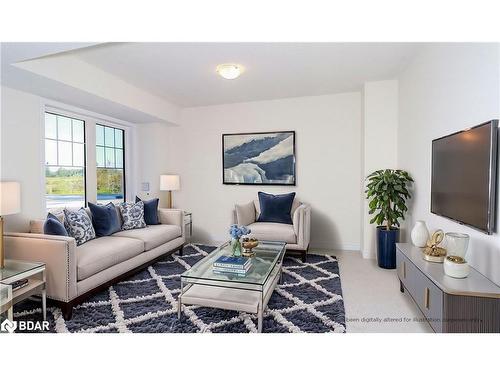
<point>276,208</point>
<point>104,219</point>
<point>150,211</point>
<point>54,227</point>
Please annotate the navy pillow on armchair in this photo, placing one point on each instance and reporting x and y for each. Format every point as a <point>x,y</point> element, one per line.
<point>150,211</point>
<point>276,208</point>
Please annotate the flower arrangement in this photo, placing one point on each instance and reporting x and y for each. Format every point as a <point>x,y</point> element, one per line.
<point>236,232</point>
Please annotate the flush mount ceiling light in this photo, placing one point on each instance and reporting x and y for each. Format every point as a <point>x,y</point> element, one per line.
<point>229,71</point>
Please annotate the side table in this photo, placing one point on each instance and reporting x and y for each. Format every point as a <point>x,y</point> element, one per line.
<point>6,301</point>
<point>15,270</point>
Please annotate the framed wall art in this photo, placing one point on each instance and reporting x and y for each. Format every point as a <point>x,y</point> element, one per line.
<point>259,158</point>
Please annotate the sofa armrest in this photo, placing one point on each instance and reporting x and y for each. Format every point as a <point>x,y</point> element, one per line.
<point>57,252</point>
<point>172,216</point>
<point>302,225</point>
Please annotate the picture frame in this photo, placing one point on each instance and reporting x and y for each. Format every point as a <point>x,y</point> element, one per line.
<point>259,158</point>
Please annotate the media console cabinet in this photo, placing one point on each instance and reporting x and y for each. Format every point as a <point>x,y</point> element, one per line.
<point>471,304</point>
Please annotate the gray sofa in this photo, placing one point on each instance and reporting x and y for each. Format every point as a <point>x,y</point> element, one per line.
<point>74,273</point>
<point>296,235</point>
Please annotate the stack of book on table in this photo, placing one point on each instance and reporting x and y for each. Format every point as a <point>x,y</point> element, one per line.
<point>232,265</point>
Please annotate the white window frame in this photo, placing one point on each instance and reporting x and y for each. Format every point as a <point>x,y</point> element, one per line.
<point>124,150</point>
<point>91,119</point>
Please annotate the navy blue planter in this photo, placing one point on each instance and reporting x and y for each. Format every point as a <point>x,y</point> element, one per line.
<point>386,247</point>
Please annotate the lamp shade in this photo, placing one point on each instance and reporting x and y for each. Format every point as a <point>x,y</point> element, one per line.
<point>169,182</point>
<point>10,198</point>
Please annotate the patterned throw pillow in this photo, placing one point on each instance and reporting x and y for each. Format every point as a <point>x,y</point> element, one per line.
<point>133,215</point>
<point>79,225</point>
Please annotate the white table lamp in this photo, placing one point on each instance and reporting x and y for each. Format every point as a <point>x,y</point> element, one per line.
<point>169,182</point>
<point>10,203</point>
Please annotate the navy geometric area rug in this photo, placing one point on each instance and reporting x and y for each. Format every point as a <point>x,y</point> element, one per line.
<point>309,299</point>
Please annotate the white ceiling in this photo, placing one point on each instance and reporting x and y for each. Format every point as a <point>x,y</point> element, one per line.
<point>15,77</point>
<point>184,73</point>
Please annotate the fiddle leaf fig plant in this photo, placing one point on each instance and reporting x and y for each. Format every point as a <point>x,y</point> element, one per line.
<point>387,192</point>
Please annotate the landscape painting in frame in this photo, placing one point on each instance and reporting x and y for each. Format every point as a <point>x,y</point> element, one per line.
<point>259,158</point>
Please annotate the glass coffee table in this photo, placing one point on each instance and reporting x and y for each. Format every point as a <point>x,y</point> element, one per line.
<point>250,293</point>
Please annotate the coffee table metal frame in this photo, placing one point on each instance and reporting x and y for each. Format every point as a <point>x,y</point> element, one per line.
<point>255,281</point>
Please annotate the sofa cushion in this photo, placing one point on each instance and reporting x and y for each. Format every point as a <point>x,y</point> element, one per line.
<point>275,208</point>
<point>104,219</point>
<point>103,252</point>
<point>273,232</point>
<point>152,236</point>
<point>36,226</point>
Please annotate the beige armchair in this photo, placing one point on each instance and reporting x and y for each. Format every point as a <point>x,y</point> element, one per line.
<point>296,235</point>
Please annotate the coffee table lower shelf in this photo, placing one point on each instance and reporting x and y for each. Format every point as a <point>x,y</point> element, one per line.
<point>227,298</point>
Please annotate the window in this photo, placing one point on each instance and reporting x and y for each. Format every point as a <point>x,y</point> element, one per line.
<point>110,158</point>
<point>64,161</point>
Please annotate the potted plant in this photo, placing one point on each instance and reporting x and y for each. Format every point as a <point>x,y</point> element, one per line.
<point>387,191</point>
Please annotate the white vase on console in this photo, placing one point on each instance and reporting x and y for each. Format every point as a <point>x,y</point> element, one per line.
<point>419,234</point>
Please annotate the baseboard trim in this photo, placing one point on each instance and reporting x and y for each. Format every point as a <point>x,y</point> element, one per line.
<point>329,246</point>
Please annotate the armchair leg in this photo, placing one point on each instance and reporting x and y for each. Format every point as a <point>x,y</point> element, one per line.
<point>303,256</point>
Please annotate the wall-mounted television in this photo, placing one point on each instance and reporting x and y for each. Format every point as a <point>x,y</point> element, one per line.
<point>464,166</point>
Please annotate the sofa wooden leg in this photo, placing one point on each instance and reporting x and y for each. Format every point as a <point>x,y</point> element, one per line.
<point>181,251</point>
<point>304,257</point>
<point>401,287</point>
<point>67,310</point>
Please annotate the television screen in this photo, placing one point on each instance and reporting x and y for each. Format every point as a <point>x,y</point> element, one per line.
<point>464,176</point>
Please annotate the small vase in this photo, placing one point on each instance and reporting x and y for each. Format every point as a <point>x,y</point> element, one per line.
<point>236,244</point>
<point>419,234</point>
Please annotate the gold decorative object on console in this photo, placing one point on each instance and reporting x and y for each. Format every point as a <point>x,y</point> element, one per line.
<point>432,252</point>
<point>248,244</point>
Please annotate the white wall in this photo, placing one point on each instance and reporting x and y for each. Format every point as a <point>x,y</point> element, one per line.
<point>153,158</point>
<point>328,149</point>
<point>22,153</point>
<point>448,87</point>
<point>380,134</point>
